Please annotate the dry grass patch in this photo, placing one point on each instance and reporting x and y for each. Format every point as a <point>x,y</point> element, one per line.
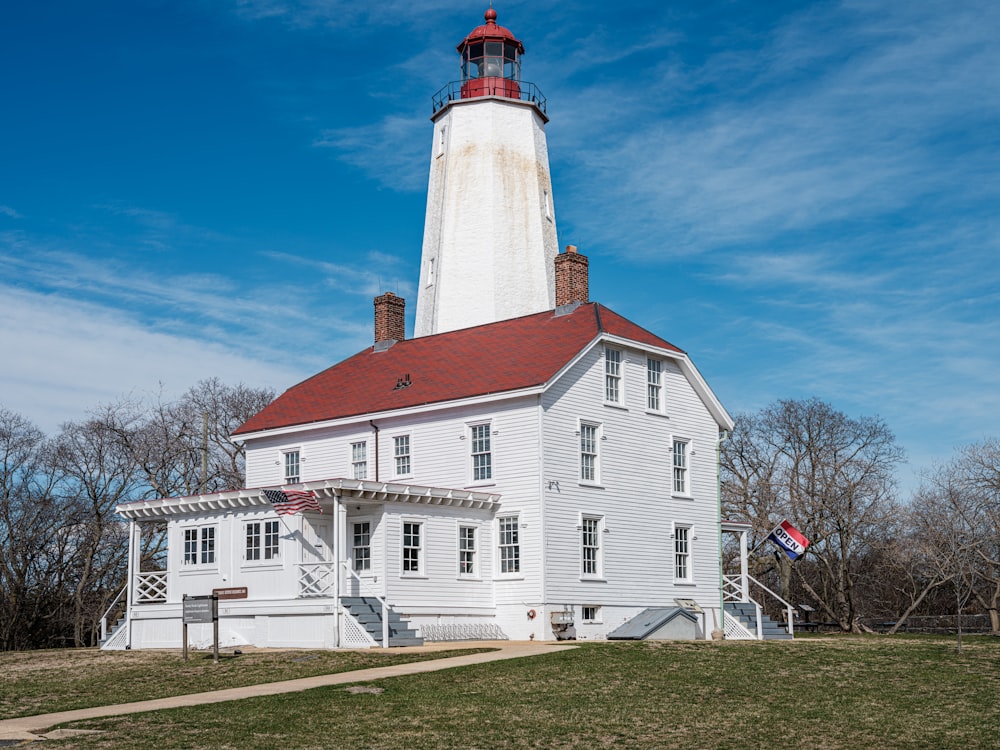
<point>36,682</point>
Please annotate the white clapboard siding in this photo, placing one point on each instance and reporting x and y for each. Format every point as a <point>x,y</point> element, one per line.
<point>634,492</point>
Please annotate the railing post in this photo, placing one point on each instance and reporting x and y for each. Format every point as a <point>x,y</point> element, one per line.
<point>385,624</point>
<point>760,625</point>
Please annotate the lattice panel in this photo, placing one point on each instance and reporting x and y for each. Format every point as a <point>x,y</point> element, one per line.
<point>353,635</point>
<point>736,632</point>
<point>151,587</point>
<point>472,631</point>
<point>317,579</point>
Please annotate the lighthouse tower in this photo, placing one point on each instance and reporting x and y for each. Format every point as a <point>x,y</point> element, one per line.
<point>490,229</point>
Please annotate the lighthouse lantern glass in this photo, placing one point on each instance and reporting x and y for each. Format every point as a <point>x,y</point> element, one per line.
<point>490,60</point>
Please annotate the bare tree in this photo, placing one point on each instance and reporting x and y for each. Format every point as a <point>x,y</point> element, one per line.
<point>62,546</point>
<point>833,476</point>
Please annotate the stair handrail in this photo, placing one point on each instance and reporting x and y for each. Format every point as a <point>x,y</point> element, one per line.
<point>382,601</point>
<point>104,617</point>
<point>789,609</point>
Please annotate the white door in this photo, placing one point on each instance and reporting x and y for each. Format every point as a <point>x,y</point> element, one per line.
<point>318,571</point>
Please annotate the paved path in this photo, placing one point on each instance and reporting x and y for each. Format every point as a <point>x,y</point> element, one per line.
<point>32,727</point>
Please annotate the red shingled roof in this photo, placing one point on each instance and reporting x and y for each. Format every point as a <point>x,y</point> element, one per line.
<point>492,358</point>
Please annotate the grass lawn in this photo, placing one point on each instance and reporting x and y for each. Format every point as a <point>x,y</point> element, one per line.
<point>817,693</point>
<point>38,682</point>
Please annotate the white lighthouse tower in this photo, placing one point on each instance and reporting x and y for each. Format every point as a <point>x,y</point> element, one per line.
<point>490,229</point>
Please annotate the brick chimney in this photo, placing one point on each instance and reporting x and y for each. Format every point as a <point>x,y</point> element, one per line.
<point>572,277</point>
<point>390,319</point>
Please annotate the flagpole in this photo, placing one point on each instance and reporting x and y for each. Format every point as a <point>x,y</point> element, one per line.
<point>766,537</point>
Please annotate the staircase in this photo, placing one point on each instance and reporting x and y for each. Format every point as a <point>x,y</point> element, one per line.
<point>115,639</point>
<point>746,613</point>
<point>367,610</point>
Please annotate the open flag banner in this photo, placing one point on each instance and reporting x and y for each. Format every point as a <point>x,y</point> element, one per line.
<point>789,539</point>
<point>289,502</point>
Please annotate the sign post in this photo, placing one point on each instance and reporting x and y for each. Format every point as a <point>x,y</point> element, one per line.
<point>202,609</point>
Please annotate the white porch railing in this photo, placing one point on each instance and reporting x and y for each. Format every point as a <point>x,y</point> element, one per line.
<point>108,611</point>
<point>789,609</point>
<point>151,587</point>
<point>733,591</point>
<point>317,579</point>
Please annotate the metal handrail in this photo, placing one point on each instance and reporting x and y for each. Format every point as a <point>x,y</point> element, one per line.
<point>789,609</point>
<point>382,601</point>
<point>526,92</point>
<point>104,617</point>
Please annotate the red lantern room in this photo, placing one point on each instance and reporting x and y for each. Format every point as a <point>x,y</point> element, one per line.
<point>491,61</point>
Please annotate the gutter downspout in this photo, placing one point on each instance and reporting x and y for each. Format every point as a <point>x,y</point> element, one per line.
<point>375,428</point>
<point>723,436</point>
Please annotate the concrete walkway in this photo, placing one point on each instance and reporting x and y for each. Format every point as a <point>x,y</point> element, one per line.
<point>33,727</point>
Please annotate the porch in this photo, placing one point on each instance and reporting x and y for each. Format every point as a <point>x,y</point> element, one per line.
<point>326,573</point>
<point>743,617</point>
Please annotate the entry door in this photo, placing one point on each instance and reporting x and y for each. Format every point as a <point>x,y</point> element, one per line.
<point>361,538</point>
<point>318,574</point>
<point>318,540</point>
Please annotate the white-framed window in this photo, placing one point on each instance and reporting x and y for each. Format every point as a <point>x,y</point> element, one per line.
<point>467,551</point>
<point>509,544</point>
<point>292,467</point>
<point>359,460</point>
<point>590,613</point>
<point>590,546</point>
<point>412,547</point>
<point>682,553</point>
<point>612,375</point>
<point>199,545</point>
<point>263,541</point>
<point>680,464</point>
<point>590,441</point>
<point>481,452</point>
<point>654,384</point>
<point>361,545</point>
<point>401,455</point>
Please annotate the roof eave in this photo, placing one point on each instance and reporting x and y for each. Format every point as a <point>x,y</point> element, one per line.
<point>392,413</point>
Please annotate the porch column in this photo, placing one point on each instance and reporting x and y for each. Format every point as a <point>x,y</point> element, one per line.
<point>133,569</point>
<point>339,547</point>
<point>744,568</point>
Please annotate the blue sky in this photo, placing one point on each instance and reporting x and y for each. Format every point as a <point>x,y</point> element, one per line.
<point>802,195</point>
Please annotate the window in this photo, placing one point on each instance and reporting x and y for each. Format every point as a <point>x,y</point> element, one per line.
<point>612,375</point>
<point>590,546</point>
<point>359,460</point>
<point>654,385</point>
<point>199,546</point>
<point>510,546</point>
<point>590,613</point>
<point>361,545</point>
<point>411,547</point>
<point>482,458</point>
<point>292,467</point>
<point>682,553</point>
<point>401,454</point>
<point>262,541</point>
<point>681,467</point>
<point>588,452</point>
<point>467,551</point>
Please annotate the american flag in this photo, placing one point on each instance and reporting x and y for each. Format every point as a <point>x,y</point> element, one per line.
<point>289,502</point>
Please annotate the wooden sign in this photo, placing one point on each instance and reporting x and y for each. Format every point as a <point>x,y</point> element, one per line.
<point>237,592</point>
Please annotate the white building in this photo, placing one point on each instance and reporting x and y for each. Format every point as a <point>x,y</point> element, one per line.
<point>545,469</point>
